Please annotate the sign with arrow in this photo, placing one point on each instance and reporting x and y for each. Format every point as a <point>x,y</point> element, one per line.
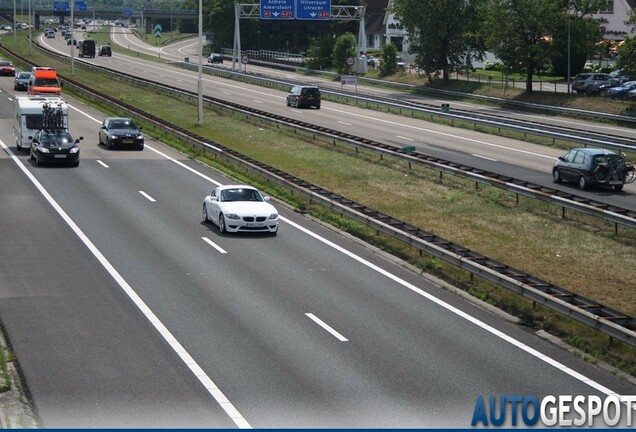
<point>313,9</point>
<point>278,9</point>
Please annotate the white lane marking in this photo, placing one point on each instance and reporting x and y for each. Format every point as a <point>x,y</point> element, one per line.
<point>571,372</point>
<point>214,245</point>
<point>404,138</point>
<point>257,101</point>
<point>327,327</point>
<point>203,378</point>
<point>148,197</point>
<point>484,157</point>
<point>226,93</point>
<point>344,123</point>
<point>297,111</point>
<point>102,163</point>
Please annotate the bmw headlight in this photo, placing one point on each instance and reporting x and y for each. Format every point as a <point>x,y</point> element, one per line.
<point>112,137</point>
<point>74,150</point>
<point>140,136</point>
<point>273,216</point>
<point>232,216</point>
<point>43,149</point>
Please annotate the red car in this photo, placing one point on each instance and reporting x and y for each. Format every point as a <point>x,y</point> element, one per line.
<point>7,68</point>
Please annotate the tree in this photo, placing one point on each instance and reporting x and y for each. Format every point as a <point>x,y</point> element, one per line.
<point>344,47</point>
<point>442,33</point>
<point>584,33</point>
<point>626,60</point>
<point>518,32</point>
<point>388,65</point>
<point>319,52</point>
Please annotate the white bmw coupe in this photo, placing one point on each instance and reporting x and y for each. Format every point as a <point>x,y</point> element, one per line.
<point>240,208</point>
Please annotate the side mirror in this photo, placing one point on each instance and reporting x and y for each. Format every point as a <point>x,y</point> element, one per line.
<point>266,198</point>
<point>213,198</point>
<point>561,158</point>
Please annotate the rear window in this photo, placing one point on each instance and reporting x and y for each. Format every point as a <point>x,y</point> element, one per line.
<point>601,77</point>
<point>310,92</point>
<point>581,77</point>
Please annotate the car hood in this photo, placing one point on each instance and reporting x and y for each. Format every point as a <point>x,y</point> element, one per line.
<point>248,208</point>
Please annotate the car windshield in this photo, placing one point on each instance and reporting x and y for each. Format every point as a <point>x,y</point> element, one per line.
<point>46,82</point>
<point>56,139</point>
<point>122,124</point>
<point>24,75</point>
<point>241,195</point>
<point>5,63</point>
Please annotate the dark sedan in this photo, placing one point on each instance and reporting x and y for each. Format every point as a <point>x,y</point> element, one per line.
<point>121,132</point>
<point>601,88</point>
<point>21,81</point>
<point>622,91</point>
<point>55,146</point>
<point>587,166</point>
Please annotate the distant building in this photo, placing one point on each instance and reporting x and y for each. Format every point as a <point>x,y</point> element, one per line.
<point>383,27</point>
<point>612,20</point>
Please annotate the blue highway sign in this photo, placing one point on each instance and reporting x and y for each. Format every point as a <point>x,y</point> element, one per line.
<point>61,6</point>
<point>278,9</point>
<point>313,9</point>
<point>81,6</point>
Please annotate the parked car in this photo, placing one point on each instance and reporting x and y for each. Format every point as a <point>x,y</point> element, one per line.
<point>399,61</point>
<point>304,96</point>
<point>21,81</point>
<point>55,146</point>
<point>240,208</point>
<point>105,50</point>
<point>122,132</point>
<point>583,80</point>
<point>215,58</point>
<point>7,68</point>
<point>622,91</point>
<point>588,166</point>
<point>601,88</point>
<point>371,61</point>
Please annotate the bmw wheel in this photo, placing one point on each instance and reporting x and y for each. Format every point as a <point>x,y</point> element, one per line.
<point>582,183</point>
<point>222,229</point>
<point>204,213</point>
<point>556,176</point>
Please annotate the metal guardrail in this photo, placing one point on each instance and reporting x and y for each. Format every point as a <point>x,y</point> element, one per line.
<point>602,318</point>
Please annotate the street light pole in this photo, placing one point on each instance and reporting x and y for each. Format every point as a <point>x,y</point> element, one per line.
<point>14,23</point>
<point>72,38</point>
<point>200,79</point>
<point>569,48</point>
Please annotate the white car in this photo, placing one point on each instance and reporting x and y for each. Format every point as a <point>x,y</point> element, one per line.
<point>240,208</point>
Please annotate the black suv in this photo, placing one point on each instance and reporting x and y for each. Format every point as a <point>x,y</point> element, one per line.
<point>304,96</point>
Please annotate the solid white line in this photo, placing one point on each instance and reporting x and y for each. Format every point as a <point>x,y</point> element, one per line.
<point>102,163</point>
<point>404,138</point>
<point>209,385</point>
<point>484,157</point>
<point>151,199</point>
<point>214,245</point>
<point>327,327</point>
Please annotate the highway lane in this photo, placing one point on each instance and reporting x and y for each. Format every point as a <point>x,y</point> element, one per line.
<point>515,158</point>
<point>415,355</point>
<point>178,50</point>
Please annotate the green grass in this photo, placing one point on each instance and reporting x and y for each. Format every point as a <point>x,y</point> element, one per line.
<point>579,253</point>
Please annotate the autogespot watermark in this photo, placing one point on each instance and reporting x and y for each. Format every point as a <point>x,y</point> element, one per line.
<point>558,411</point>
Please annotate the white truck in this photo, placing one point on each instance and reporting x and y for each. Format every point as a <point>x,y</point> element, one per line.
<point>28,117</point>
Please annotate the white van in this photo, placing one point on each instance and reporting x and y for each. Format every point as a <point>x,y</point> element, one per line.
<point>28,117</point>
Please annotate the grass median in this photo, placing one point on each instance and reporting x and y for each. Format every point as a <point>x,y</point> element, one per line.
<point>579,253</point>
